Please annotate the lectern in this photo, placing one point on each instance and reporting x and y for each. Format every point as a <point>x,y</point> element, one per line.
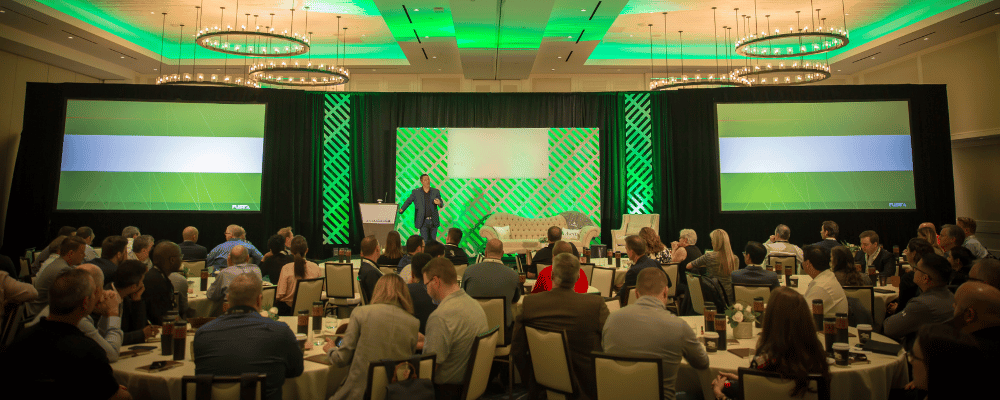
<point>378,219</point>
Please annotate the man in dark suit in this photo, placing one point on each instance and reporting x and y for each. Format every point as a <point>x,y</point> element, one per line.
<point>544,256</point>
<point>582,316</point>
<point>452,251</point>
<point>754,274</point>
<point>190,249</point>
<point>426,216</point>
<point>872,254</point>
<point>828,231</point>
<point>635,248</point>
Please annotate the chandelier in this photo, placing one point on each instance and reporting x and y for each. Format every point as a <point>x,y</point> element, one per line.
<point>796,42</point>
<point>196,78</point>
<point>784,73</point>
<point>309,75</point>
<point>256,43</point>
<point>683,81</point>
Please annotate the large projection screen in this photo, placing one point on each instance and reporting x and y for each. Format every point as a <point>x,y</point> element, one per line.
<point>161,156</point>
<point>815,156</point>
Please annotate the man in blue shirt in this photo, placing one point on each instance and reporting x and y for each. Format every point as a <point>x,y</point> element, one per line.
<point>235,235</point>
<point>242,341</point>
<point>754,274</point>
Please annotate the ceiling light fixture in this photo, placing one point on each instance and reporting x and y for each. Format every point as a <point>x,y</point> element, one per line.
<point>790,72</point>
<point>242,41</point>
<point>796,42</point>
<point>195,78</point>
<point>718,79</point>
<point>293,74</point>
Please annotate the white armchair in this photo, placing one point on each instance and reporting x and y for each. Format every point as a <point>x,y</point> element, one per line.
<point>631,225</point>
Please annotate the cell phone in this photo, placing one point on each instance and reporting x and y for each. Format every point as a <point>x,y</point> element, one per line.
<point>158,365</point>
<point>142,348</point>
<point>340,340</point>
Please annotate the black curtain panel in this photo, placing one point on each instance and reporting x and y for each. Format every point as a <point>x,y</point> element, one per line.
<point>685,123</point>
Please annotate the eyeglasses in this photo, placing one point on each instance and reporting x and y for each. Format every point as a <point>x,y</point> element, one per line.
<point>910,356</point>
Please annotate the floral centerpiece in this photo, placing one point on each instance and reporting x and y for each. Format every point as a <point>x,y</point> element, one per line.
<point>267,311</point>
<point>741,318</point>
<point>852,247</point>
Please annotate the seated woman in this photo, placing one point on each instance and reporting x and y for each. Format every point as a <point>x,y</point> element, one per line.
<point>960,259</point>
<point>291,273</point>
<point>720,263</point>
<point>843,268</point>
<point>544,280</point>
<point>788,345</point>
<point>393,250</point>
<point>654,246</point>
<point>384,329</point>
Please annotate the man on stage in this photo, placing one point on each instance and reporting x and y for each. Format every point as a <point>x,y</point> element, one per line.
<point>426,216</point>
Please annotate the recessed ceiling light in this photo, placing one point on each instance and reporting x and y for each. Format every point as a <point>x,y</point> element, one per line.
<point>439,69</point>
<point>152,12</point>
<point>873,57</point>
<point>583,10</point>
<point>570,37</point>
<point>373,69</point>
<point>416,9</point>
<point>70,37</point>
<point>435,57</point>
<point>838,70</point>
<point>425,37</point>
<point>559,57</point>
<point>629,35</point>
<point>926,38</point>
<point>553,69</point>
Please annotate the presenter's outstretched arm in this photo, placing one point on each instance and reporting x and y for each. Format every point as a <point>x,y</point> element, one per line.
<point>406,203</point>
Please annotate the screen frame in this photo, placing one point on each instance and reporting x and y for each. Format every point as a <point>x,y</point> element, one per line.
<point>62,135</point>
<point>717,166</point>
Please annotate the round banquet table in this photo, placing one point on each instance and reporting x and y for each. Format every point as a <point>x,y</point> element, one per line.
<point>198,299</point>
<point>856,381</point>
<point>881,299</point>
<point>318,381</point>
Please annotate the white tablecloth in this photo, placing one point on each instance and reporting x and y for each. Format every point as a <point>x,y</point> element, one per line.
<point>318,381</point>
<point>881,299</point>
<point>854,382</point>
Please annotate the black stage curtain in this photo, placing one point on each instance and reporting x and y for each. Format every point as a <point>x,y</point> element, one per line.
<point>290,181</point>
<point>685,124</point>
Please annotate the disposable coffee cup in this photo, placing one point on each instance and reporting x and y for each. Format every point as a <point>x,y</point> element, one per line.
<point>301,338</point>
<point>841,353</point>
<point>864,333</point>
<point>793,282</point>
<point>711,342</point>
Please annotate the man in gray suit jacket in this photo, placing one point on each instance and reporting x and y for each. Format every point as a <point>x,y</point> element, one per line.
<point>934,305</point>
<point>425,216</point>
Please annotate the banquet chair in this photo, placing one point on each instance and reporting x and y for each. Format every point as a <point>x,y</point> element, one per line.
<point>696,298</point>
<point>98,251</point>
<point>25,269</point>
<point>340,286</point>
<point>785,259</point>
<point>588,269</point>
<point>496,315</point>
<point>477,373</point>
<point>13,322</point>
<point>307,291</point>
<point>387,269</point>
<point>745,292</point>
<point>865,294</point>
<point>604,280</point>
<point>378,378</point>
<point>630,295</point>
<point>270,294</point>
<point>460,270</point>
<point>758,384</point>
<point>195,267</point>
<point>671,270</point>
<point>550,362</point>
<point>628,378</point>
<point>248,386</point>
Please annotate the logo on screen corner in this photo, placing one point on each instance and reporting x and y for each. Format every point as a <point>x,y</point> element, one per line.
<point>897,205</point>
<point>241,207</point>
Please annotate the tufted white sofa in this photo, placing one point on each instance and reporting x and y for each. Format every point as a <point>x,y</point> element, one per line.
<point>529,233</point>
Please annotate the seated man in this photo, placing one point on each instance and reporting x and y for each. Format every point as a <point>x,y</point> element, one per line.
<point>828,231</point>
<point>491,278</point>
<point>241,341</point>
<point>451,328</point>
<point>824,285</point>
<point>582,316</point>
<point>951,236</point>
<point>778,243</point>
<point>54,359</point>
<point>544,256</point>
<point>142,248</point>
<point>49,250</point>
<point>646,329</point>
<point>129,283</point>
<point>190,249</point>
<point>114,250</point>
<point>369,274</point>
<point>159,285</point>
<point>71,252</point>
<point>544,281</point>
<point>452,249</point>
<point>423,304</point>
<point>934,305</point>
<point>235,236</point>
<point>754,273</point>
<point>968,226</point>
<point>635,247</point>
<point>872,254</point>
<point>414,245</point>
<point>986,271</point>
<point>977,312</point>
<point>433,249</point>
<point>87,234</point>
<point>239,263</point>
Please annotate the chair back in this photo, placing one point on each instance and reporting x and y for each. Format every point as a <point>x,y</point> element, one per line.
<point>630,295</point>
<point>785,259</point>
<point>496,315</point>
<point>550,359</point>
<point>604,280</point>
<point>697,299</point>
<point>588,269</point>
<point>378,379</point>
<point>671,270</point>
<point>307,291</point>
<point>757,384</point>
<point>387,270</point>
<point>477,374</point>
<point>745,292</point>
<point>865,294</point>
<point>460,270</point>
<point>29,253</point>
<point>13,321</point>
<point>195,268</point>
<point>628,378</point>
<point>98,251</point>
<point>270,293</point>
<point>249,386</point>
<point>339,280</point>
<point>25,269</point>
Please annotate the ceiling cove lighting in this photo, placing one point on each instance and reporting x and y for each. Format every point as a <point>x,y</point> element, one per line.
<point>716,80</point>
<point>195,78</point>
<point>243,41</point>
<point>797,41</point>
<point>309,75</point>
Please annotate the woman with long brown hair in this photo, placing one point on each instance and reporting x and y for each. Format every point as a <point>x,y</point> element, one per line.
<point>293,272</point>
<point>787,345</point>
<point>654,247</point>
<point>842,263</point>
<point>720,263</point>
<point>393,250</point>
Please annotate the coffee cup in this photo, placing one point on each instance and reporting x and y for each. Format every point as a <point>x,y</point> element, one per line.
<point>864,333</point>
<point>301,338</point>
<point>793,282</point>
<point>711,342</point>
<point>841,353</point>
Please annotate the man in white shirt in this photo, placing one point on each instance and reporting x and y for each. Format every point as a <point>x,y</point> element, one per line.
<point>824,285</point>
<point>969,226</point>
<point>779,243</point>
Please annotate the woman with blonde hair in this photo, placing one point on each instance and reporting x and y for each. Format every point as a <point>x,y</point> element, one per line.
<point>928,234</point>
<point>654,247</point>
<point>720,263</point>
<point>292,273</point>
<point>384,329</point>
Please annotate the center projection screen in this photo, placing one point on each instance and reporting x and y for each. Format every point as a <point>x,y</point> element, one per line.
<point>815,156</point>
<point>161,156</point>
<point>529,172</point>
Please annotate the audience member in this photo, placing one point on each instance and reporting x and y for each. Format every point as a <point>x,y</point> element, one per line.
<point>916,248</point>
<point>47,255</point>
<point>824,285</point>
<point>393,250</point>
<point>638,254</point>
<point>491,278</point>
<point>13,291</point>
<point>938,350</point>
<point>7,265</point>
<point>433,249</point>
<point>54,359</point>
<point>129,283</point>
<point>986,271</point>
<point>383,330</point>
<point>968,226</point>
<point>544,281</point>
<point>646,329</point>
<point>977,312</point>
<point>276,259</point>
<point>235,236</point>
<point>239,263</point>
<point>159,294</point>
<point>951,236</point>
<point>935,303</point>
<point>720,263</point>
<point>414,245</point>
<point>654,246</point>
<point>113,252</point>
<point>142,247</point>
<point>130,232</point>
<point>71,252</point>
<point>544,256</point>
<point>828,231</point>
<point>873,254</point>
<point>960,258</point>
<point>423,304</point>
<point>190,249</point>
<point>684,250</point>
<point>930,235</point>
<point>754,273</point>
<point>369,274</point>
<point>242,341</point>
<point>87,234</point>
<point>294,271</point>
<point>581,316</point>
<point>286,233</point>
<point>778,243</point>
<point>843,268</point>
<point>451,328</point>
<point>788,344</point>
<point>452,248</point>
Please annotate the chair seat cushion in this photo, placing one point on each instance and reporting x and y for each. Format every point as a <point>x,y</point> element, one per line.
<point>502,351</point>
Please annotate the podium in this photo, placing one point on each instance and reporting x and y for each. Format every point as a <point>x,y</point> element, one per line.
<point>378,219</point>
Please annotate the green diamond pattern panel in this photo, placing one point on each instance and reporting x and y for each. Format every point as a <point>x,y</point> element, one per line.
<point>573,182</point>
<point>336,168</point>
<point>638,154</point>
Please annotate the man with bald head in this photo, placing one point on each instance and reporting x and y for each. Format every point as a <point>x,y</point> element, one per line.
<point>491,278</point>
<point>986,271</point>
<point>544,256</point>
<point>235,236</point>
<point>239,263</point>
<point>544,283</point>
<point>977,312</point>
<point>242,341</point>
<point>159,294</point>
<point>190,249</point>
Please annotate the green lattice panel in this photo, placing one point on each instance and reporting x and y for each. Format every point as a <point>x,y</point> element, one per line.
<point>573,183</point>
<point>638,154</point>
<point>336,168</point>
